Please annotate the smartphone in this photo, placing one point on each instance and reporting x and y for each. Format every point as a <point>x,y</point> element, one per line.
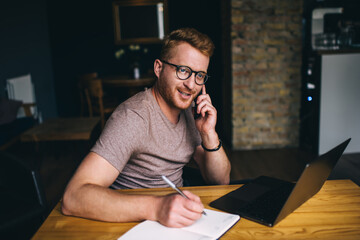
<point>196,115</point>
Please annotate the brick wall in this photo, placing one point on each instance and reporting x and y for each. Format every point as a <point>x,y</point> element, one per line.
<point>266,68</point>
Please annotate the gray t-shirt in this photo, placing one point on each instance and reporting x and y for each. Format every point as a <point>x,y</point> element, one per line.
<point>140,142</point>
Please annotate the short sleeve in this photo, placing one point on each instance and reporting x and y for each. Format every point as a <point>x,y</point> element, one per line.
<point>123,134</point>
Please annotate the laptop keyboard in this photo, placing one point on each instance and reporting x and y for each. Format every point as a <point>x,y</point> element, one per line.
<point>269,204</point>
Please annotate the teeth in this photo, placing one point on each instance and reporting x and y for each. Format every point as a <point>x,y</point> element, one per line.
<point>187,94</point>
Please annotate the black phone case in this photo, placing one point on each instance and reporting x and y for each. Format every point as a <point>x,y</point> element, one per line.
<point>196,115</point>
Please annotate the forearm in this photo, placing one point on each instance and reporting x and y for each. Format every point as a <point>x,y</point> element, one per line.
<point>214,165</point>
<point>88,195</point>
<point>99,203</point>
<point>217,167</point>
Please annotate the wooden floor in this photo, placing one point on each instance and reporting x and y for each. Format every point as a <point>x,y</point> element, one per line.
<point>59,160</point>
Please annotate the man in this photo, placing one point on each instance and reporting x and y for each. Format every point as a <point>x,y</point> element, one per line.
<point>153,134</point>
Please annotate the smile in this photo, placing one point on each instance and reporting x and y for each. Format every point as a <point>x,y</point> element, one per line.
<point>184,94</point>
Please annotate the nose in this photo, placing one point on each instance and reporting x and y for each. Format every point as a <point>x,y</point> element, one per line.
<point>190,82</point>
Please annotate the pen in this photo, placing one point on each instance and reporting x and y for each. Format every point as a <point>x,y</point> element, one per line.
<point>172,185</point>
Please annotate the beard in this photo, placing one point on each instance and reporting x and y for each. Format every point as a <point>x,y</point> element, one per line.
<point>170,94</point>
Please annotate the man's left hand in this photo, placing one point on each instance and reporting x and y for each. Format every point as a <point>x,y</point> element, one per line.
<point>206,122</point>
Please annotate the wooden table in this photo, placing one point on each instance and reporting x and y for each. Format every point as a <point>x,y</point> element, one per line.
<point>333,213</point>
<point>133,85</point>
<point>123,81</point>
<point>61,129</point>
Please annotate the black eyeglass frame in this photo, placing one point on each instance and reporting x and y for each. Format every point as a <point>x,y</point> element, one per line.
<point>206,77</point>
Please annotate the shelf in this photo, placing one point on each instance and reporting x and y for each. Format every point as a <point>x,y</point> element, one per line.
<point>340,51</point>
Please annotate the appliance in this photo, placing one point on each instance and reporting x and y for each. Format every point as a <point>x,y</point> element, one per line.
<point>319,39</point>
<point>330,75</point>
<point>339,101</point>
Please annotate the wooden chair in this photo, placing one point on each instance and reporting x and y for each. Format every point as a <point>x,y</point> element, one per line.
<point>22,199</point>
<point>18,126</point>
<point>82,79</point>
<point>96,102</point>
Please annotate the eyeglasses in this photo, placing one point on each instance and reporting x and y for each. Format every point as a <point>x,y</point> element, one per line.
<point>184,72</point>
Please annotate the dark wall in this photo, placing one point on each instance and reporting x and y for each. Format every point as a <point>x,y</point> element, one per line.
<point>57,41</point>
<point>24,49</point>
<point>82,39</point>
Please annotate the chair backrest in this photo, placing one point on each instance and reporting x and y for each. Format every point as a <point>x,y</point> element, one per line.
<point>27,109</point>
<point>11,126</point>
<point>22,199</point>
<point>84,101</point>
<point>95,88</point>
<point>94,94</point>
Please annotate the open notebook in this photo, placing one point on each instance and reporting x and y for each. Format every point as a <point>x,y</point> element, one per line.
<point>211,226</point>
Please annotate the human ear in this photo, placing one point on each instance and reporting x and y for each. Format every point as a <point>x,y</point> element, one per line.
<point>157,67</point>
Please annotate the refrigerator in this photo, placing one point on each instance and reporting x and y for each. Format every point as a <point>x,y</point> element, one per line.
<point>339,101</point>
<point>330,93</point>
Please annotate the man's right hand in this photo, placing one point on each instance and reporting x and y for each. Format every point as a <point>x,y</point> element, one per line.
<point>176,211</point>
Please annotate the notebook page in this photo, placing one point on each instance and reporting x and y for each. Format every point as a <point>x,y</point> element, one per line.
<point>150,230</point>
<point>214,224</point>
<point>211,226</point>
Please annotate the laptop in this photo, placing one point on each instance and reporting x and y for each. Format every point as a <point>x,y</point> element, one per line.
<point>268,200</point>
